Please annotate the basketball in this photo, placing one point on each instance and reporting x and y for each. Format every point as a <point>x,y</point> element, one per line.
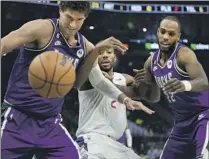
<point>51,74</point>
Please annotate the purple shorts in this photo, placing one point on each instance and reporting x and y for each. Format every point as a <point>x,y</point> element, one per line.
<point>23,136</point>
<point>188,139</point>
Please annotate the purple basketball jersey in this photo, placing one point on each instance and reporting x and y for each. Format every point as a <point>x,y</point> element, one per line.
<point>184,104</point>
<point>19,92</point>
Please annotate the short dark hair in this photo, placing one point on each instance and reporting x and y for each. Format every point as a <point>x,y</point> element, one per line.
<point>80,6</point>
<point>173,18</point>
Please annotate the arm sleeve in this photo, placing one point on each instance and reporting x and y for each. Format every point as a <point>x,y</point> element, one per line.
<point>102,84</point>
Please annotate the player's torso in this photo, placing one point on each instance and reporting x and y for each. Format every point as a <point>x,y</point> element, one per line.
<point>183,104</point>
<point>100,114</point>
<point>19,91</point>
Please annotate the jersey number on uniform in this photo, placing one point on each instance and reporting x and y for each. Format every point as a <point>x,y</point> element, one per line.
<point>113,104</point>
<point>170,96</point>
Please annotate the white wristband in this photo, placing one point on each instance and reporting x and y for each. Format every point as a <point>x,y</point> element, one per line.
<point>187,85</point>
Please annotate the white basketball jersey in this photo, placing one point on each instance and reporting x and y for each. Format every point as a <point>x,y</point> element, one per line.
<point>100,114</point>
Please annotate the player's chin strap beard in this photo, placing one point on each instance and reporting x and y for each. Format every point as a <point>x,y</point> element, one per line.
<point>170,51</point>
<point>105,70</point>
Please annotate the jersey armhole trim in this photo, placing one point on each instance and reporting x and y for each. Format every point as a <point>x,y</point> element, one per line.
<point>54,30</point>
<point>85,47</point>
<point>151,66</point>
<point>179,70</point>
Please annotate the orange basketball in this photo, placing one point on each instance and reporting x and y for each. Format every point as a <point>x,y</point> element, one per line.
<point>51,74</point>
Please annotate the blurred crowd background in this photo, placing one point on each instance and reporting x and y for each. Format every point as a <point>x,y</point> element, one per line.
<point>135,24</point>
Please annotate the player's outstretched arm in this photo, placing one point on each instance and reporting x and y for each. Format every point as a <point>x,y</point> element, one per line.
<point>93,52</point>
<point>128,89</point>
<point>149,92</point>
<point>198,81</point>
<point>28,33</point>
<point>106,87</point>
<point>103,85</point>
<point>83,70</point>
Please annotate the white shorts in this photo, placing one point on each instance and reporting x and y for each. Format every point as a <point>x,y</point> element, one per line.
<point>99,146</point>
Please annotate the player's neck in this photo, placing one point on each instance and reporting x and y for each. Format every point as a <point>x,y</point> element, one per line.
<point>71,38</point>
<point>110,72</point>
<point>165,55</point>
<point>67,37</point>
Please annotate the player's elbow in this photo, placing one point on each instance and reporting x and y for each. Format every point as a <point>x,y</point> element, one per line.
<point>154,99</point>
<point>3,47</point>
<point>153,94</point>
<point>205,84</point>
<point>6,43</point>
<point>151,98</point>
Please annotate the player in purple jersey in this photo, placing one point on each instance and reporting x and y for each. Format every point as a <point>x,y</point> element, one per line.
<point>176,70</point>
<point>31,122</point>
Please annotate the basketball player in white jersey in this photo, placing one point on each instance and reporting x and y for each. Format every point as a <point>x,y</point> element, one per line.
<point>102,121</point>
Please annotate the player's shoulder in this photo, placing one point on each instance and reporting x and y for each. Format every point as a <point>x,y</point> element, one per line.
<point>119,75</point>
<point>41,23</point>
<point>124,75</point>
<point>184,49</point>
<point>89,45</point>
<point>40,27</point>
<point>184,53</point>
<point>47,25</point>
<point>149,61</point>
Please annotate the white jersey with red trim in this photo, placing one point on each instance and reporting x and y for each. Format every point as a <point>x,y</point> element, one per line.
<point>100,114</point>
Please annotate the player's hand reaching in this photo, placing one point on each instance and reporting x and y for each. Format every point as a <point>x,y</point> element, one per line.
<point>112,42</point>
<point>140,76</point>
<point>135,105</point>
<point>174,85</point>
